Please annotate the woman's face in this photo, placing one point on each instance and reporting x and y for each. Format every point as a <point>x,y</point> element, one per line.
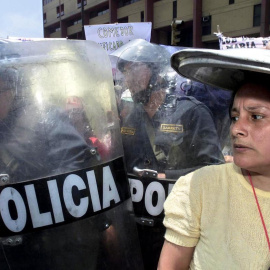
<point>250,128</point>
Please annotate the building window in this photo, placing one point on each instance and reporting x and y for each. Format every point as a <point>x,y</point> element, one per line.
<point>92,14</point>
<point>102,12</point>
<point>79,3</point>
<point>60,10</point>
<point>257,15</point>
<point>231,2</point>
<point>77,22</point>
<point>45,2</point>
<point>174,9</point>
<point>142,16</point>
<point>206,25</point>
<point>123,3</point>
<point>44,18</point>
<point>123,20</point>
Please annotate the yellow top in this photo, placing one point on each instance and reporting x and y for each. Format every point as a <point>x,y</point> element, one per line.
<point>215,210</point>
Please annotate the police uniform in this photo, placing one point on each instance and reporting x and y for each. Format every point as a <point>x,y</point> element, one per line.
<point>36,143</point>
<point>180,137</point>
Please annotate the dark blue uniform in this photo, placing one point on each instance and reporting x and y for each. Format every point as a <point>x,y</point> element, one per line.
<point>183,136</point>
<point>37,143</point>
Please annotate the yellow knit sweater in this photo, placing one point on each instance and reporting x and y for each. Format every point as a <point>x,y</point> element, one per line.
<point>214,209</point>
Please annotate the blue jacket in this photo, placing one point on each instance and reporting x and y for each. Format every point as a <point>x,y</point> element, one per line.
<point>184,138</point>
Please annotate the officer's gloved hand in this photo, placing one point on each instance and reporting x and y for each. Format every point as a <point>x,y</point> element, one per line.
<point>161,176</point>
<point>145,172</point>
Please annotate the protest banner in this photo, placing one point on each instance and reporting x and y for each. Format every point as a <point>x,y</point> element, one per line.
<point>241,42</point>
<point>113,36</point>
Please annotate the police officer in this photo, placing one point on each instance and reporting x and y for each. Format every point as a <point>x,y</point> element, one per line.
<point>169,134</point>
<point>164,135</point>
<point>36,142</point>
<point>61,206</point>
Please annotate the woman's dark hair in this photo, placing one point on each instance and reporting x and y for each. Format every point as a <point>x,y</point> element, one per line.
<point>259,78</point>
<point>231,102</point>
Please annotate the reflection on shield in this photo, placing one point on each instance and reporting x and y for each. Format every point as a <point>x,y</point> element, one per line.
<point>64,193</point>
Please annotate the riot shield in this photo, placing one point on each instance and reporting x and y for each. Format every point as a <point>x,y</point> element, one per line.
<point>170,126</point>
<point>64,193</point>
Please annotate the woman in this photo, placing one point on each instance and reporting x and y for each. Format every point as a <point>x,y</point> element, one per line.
<point>218,217</point>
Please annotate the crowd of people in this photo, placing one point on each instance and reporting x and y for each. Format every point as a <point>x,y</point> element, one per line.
<point>217,214</point>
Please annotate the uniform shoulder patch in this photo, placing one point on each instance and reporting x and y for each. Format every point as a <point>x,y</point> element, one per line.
<point>128,131</point>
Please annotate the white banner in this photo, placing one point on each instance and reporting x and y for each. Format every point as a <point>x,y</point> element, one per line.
<point>113,36</point>
<point>242,42</point>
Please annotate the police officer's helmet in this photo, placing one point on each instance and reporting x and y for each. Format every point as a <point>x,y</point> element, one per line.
<point>141,51</point>
<point>153,55</point>
<point>157,58</point>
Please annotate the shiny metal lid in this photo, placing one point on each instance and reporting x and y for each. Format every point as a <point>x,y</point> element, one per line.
<point>226,69</point>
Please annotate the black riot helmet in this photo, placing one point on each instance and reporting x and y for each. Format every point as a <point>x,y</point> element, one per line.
<point>154,56</point>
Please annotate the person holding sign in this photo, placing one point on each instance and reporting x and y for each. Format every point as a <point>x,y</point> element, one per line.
<point>218,217</point>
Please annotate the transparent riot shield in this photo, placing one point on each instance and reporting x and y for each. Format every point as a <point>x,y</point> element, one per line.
<point>64,193</point>
<point>170,126</point>
<point>217,101</point>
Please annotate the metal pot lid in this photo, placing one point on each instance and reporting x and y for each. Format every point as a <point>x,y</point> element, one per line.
<point>226,69</point>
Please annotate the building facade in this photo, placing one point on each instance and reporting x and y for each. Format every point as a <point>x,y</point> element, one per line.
<point>200,18</point>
